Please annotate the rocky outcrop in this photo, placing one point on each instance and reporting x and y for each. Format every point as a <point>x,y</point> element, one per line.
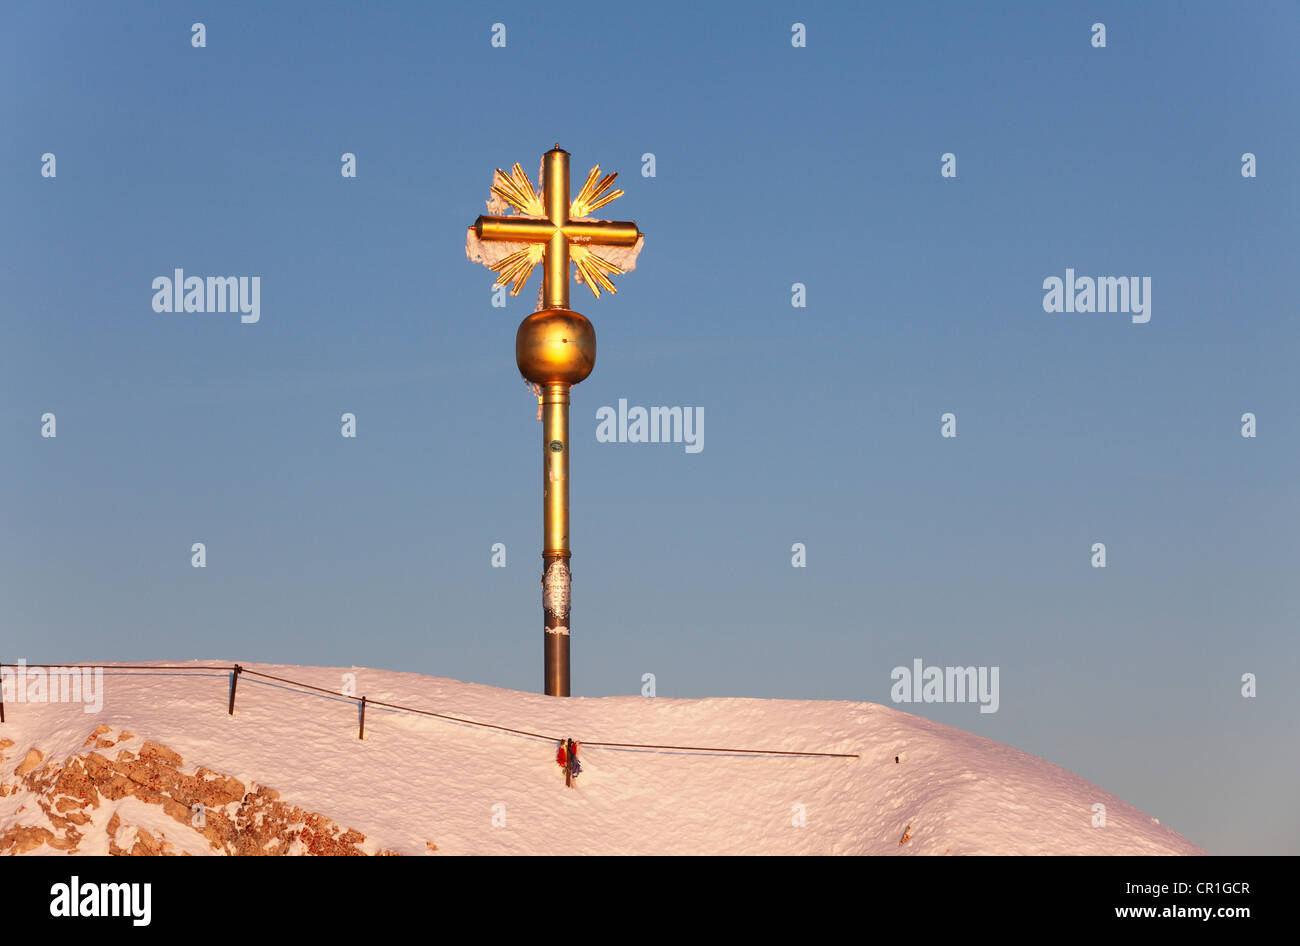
<point>84,795</point>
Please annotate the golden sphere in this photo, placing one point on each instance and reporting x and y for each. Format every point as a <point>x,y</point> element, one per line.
<point>555,345</point>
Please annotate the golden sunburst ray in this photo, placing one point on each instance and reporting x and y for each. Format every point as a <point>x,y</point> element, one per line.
<point>593,269</point>
<point>592,197</point>
<point>517,190</point>
<point>518,266</point>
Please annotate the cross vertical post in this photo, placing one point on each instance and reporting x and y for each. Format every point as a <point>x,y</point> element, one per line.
<point>555,185</point>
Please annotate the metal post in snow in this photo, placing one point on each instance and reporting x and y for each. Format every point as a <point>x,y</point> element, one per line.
<point>234,682</point>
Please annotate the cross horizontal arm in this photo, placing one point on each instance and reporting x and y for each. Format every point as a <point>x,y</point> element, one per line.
<point>540,230</point>
<point>602,232</point>
<point>514,229</point>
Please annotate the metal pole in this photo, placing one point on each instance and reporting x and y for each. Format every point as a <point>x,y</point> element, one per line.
<point>556,579</point>
<point>234,682</point>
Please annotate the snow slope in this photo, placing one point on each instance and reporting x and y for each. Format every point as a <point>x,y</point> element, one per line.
<point>415,780</point>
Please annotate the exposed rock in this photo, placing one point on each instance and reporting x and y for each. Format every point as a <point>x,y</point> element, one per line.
<point>33,759</point>
<point>153,752</point>
<point>231,817</point>
<point>99,731</point>
<point>146,845</point>
<point>23,839</point>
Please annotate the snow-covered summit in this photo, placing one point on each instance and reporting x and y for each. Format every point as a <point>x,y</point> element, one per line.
<point>418,784</point>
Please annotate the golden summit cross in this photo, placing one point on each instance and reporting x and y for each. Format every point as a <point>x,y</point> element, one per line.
<point>552,227</point>
<point>555,347</point>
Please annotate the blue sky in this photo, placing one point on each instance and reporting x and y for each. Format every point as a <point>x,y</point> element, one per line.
<point>774,165</point>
